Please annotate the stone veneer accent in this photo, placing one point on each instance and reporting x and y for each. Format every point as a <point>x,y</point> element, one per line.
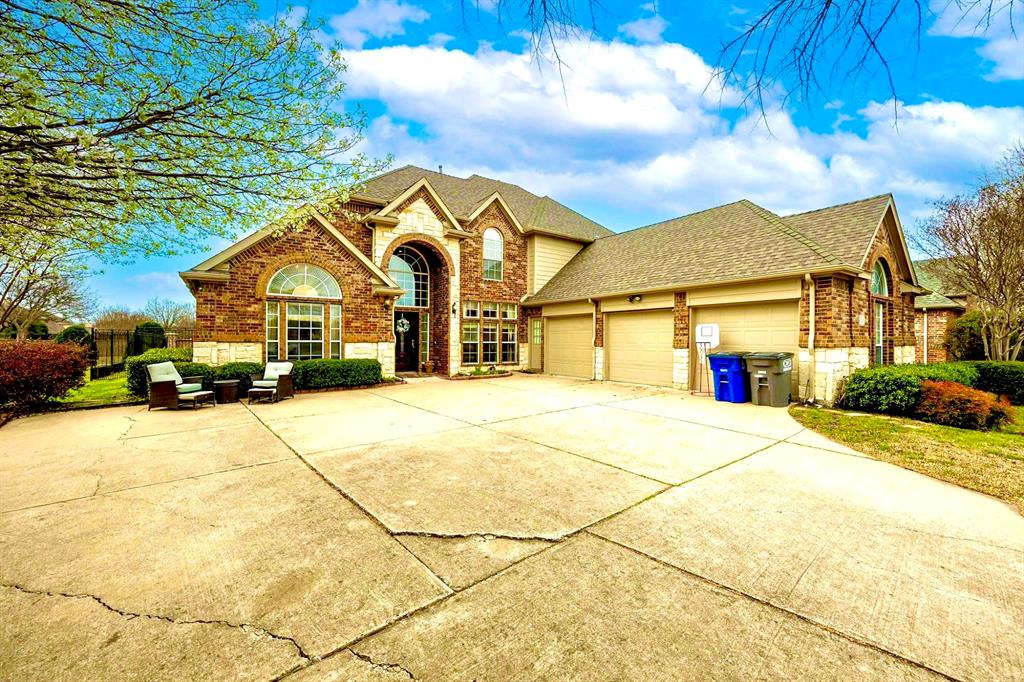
<point>599,363</point>
<point>904,355</point>
<point>382,352</point>
<point>831,367</point>
<point>222,352</point>
<point>681,368</point>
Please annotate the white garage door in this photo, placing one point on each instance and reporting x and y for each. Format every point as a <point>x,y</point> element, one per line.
<point>767,326</point>
<point>569,346</point>
<point>639,347</point>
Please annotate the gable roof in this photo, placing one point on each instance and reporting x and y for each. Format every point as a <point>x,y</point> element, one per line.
<point>464,197</point>
<point>846,230</point>
<point>212,268</point>
<point>732,242</point>
<point>939,297</point>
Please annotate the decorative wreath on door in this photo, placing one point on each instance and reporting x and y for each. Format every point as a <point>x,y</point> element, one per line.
<point>403,325</point>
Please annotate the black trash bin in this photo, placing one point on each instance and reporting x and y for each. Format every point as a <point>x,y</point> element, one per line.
<point>770,378</point>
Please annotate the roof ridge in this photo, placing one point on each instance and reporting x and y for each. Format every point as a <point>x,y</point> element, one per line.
<point>662,223</point>
<point>789,231</point>
<point>839,205</point>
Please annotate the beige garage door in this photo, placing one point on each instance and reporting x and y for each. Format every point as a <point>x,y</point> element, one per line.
<point>569,346</point>
<point>639,347</point>
<point>767,326</point>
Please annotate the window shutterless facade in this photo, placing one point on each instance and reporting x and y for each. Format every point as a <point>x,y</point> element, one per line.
<point>490,311</point>
<point>273,330</point>
<point>471,309</point>
<point>336,351</point>
<point>304,327</point>
<point>301,322</point>
<point>489,344</point>
<point>470,343</point>
<point>409,270</point>
<point>508,343</point>
<point>494,254</point>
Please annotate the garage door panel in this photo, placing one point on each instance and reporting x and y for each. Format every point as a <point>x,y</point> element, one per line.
<point>767,326</point>
<point>569,346</point>
<point>639,347</point>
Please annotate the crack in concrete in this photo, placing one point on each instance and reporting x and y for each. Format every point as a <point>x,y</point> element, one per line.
<point>247,628</point>
<point>387,667</point>
<point>485,535</point>
<point>776,607</point>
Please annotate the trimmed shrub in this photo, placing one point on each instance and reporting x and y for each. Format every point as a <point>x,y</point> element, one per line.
<point>135,366</point>
<point>896,389</point>
<point>197,369</point>
<point>1002,378</point>
<point>148,335</point>
<point>963,337</point>
<point>76,333</point>
<point>332,373</point>
<point>36,330</point>
<point>952,404</point>
<point>239,370</point>
<point>35,372</point>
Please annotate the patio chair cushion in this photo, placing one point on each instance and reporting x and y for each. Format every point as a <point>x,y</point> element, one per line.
<point>189,388</point>
<point>194,395</point>
<point>276,369</point>
<point>262,383</point>
<point>163,371</point>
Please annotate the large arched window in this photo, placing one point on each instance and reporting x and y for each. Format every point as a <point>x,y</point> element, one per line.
<point>305,281</point>
<point>494,254</point>
<point>879,280</point>
<point>409,270</point>
<point>879,287</point>
<point>302,323</point>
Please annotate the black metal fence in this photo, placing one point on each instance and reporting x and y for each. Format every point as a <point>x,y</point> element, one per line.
<point>109,347</point>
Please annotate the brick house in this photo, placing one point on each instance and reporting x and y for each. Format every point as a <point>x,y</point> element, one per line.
<point>933,312</point>
<point>431,272</point>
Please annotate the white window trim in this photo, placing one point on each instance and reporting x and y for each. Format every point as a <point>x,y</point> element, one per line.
<point>501,261</point>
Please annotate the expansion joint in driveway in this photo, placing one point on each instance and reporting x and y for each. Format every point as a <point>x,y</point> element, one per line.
<point>248,628</point>
<point>780,609</point>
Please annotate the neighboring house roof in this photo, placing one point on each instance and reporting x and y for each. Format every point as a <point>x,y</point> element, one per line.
<point>940,296</point>
<point>732,242</point>
<point>465,196</point>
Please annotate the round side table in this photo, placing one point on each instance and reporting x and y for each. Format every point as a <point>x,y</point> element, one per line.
<point>226,390</point>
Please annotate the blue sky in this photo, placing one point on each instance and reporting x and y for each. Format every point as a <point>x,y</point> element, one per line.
<point>635,134</point>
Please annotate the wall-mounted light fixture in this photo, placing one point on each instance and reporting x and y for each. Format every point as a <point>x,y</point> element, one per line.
<point>455,309</point>
<point>635,298</point>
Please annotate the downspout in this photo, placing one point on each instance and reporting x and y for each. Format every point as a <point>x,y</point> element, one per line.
<point>810,337</point>
<point>926,336</point>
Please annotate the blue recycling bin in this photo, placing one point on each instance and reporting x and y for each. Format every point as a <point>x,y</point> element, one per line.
<point>729,375</point>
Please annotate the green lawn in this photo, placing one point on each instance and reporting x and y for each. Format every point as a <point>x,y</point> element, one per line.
<point>106,391</point>
<point>991,462</point>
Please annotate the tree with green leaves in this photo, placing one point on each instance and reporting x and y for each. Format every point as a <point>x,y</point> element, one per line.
<point>141,128</point>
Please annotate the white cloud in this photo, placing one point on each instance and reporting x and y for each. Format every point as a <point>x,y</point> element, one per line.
<point>636,135</point>
<point>375,19</point>
<point>645,30</point>
<point>1000,31</point>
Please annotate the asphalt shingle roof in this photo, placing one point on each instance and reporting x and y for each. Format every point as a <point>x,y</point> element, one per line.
<point>930,280</point>
<point>464,195</point>
<point>729,242</point>
<point>845,230</point>
<point>735,241</point>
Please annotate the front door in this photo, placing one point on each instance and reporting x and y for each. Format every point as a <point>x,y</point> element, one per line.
<point>536,342</point>
<point>407,329</point>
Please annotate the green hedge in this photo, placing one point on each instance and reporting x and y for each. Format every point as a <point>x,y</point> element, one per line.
<point>241,371</point>
<point>896,389</point>
<point>135,366</point>
<point>1002,378</point>
<point>332,373</point>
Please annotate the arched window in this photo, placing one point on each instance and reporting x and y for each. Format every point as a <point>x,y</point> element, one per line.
<point>494,254</point>
<point>305,281</point>
<point>879,280</point>
<point>296,329</point>
<point>409,270</point>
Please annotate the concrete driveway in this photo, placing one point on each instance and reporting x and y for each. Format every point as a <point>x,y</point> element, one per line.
<point>521,528</point>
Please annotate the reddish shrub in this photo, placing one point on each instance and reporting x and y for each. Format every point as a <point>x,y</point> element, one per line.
<point>34,372</point>
<point>952,404</point>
